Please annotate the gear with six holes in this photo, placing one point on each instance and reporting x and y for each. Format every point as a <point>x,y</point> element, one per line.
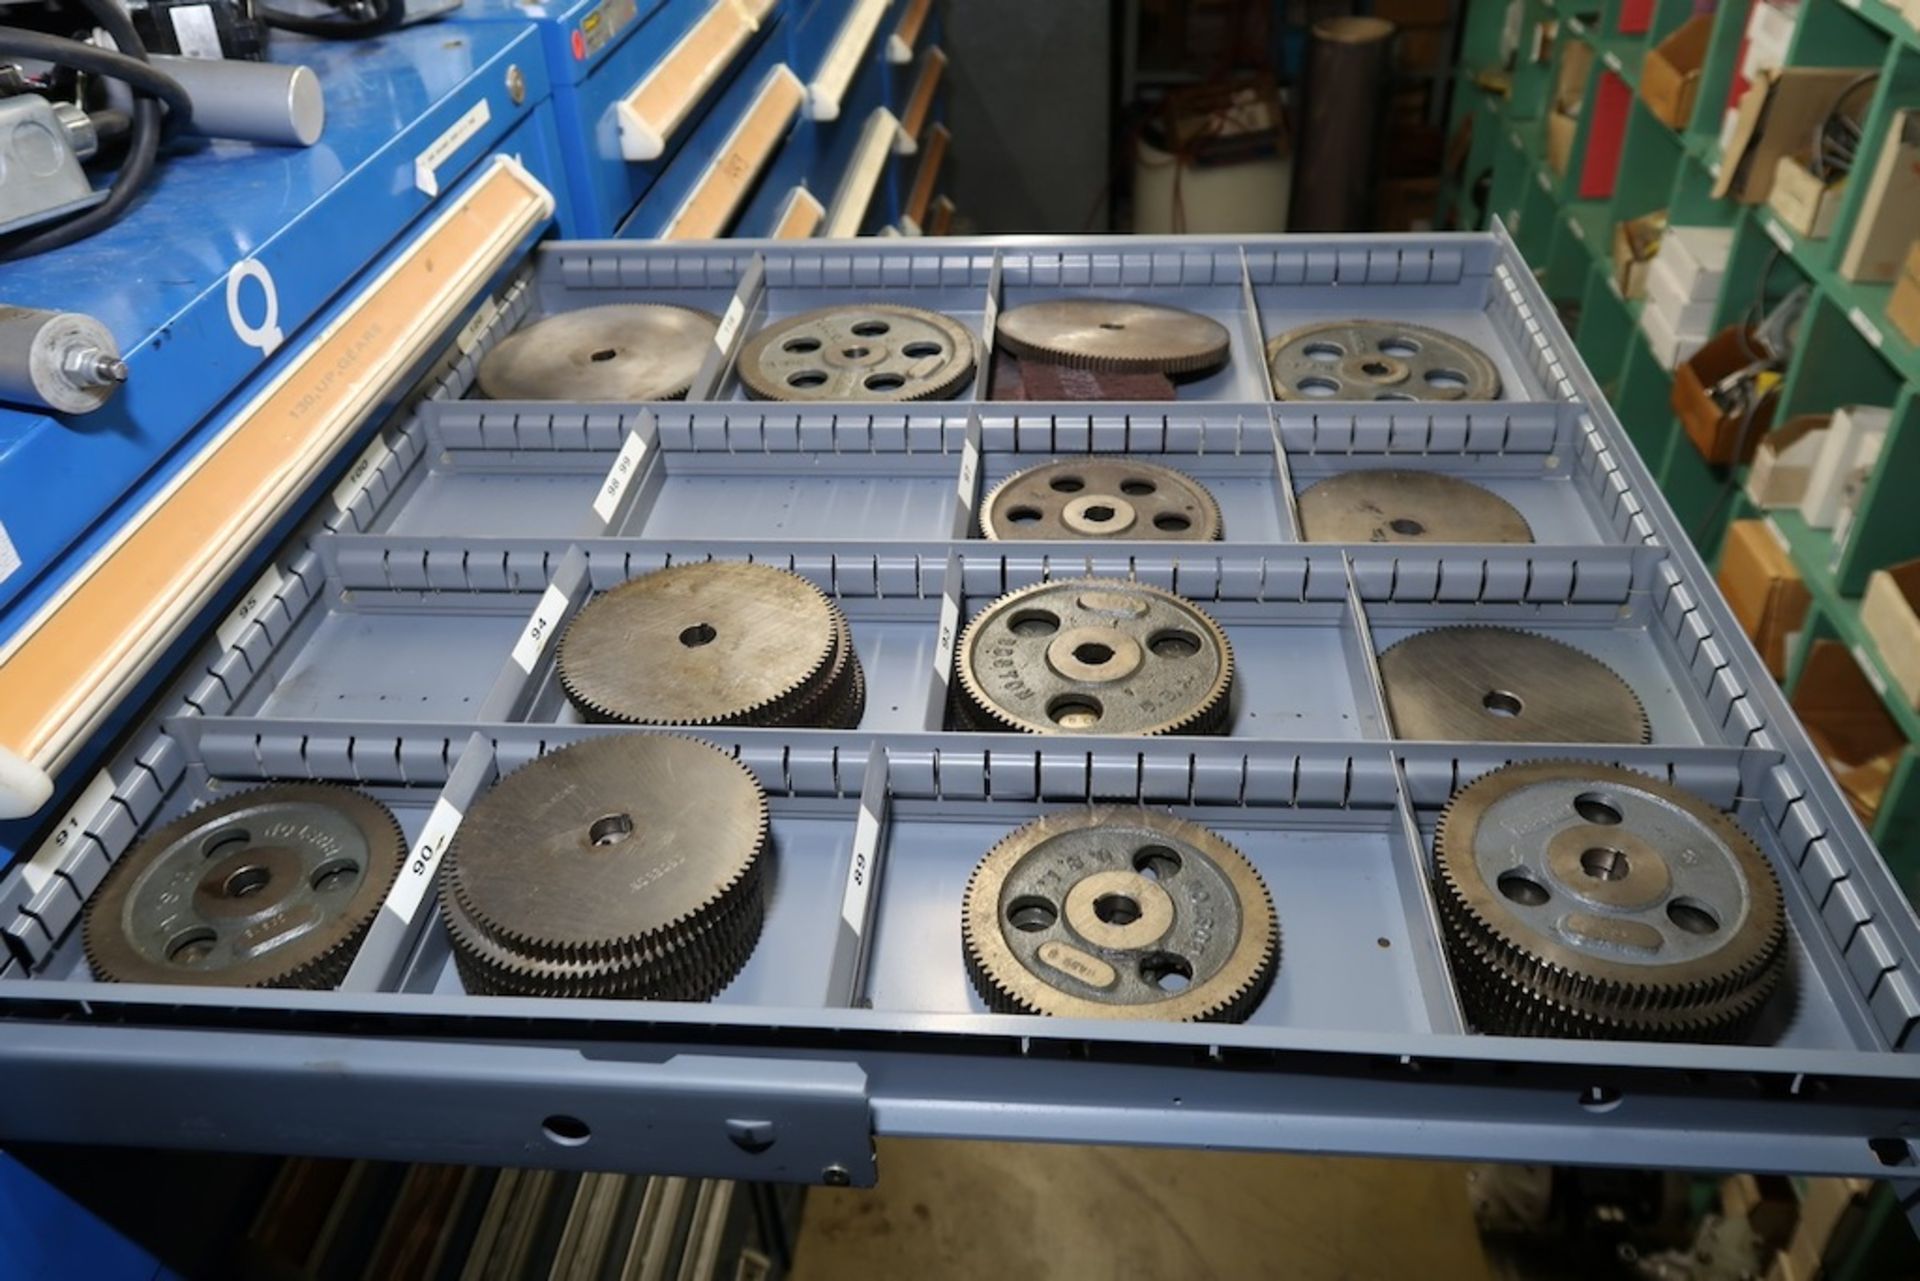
<point>1390,506</point>
<point>628,866</point>
<point>1585,900</point>
<point>863,351</point>
<point>1378,360</point>
<point>1118,912</point>
<point>1100,498</point>
<point>713,643</point>
<point>618,353</point>
<point>274,886</point>
<point>1115,335</point>
<point>1093,656</point>
<point>1502,685</point>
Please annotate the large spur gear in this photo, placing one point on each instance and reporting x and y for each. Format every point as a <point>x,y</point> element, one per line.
<point>629,866</point>
<point>274,886</point>
<point>1378,360</point>
<point>1503,685</point>
<point>1115,335</point>
<point>1378,505</point>
<point>1094,656</point>
<point>1118,912</point>
<point>713,643</point>
<point>859,351</point>
<point>1586,900</point>
<point>618,353</point>
<point>1100,498</point>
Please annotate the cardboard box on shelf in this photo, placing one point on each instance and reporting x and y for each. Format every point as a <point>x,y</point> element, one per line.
<point>1777,116</point>
<point>1763,588</point>
<point>1561,129</point>
<point>1903,304</point>
<point>1890,612</point>
<point>1689,313</point>
<point>1669,343</point>
<point>1804,201</point>
<point>1722,435</point>
<point>1635,242</point>
<point>1782,463</point>
<point>1841,710</point>
<point>1769,32</point>
<point>1670,75</point>
<point>1853,439</point>
<point>1889,215</point>
<point>1696,258</point>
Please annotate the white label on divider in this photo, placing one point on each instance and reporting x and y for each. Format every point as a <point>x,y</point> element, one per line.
<point>357,475</point>
<point>942,651</point>
<point>1613,62</point>
<point>1779,234</point>
<point>866,842</point>
<point>539,629</point>
<point>626,465</point>
<point>426,166</point>
<point>729,324</point>
<point>249,607</point>
<point>1868,330</point>
<point>39,869</point>
<point>1545,180</point>
<point>969,468</point>
<point>411,885</point>
<point>1779,536</point>
<point>1579,232</point>
<point>1871,671</point>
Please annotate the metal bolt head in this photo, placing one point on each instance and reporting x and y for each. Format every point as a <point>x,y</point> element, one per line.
<point>836,1176</point>
<point>516,85</point>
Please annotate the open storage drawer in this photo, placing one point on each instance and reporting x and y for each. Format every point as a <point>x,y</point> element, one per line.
<point>401,643</point>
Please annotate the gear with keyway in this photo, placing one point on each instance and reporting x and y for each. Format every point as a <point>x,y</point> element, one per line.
<point>713,643</point>
<point>619,353</point>
<point>1115,335</point>
<point>1392,506</point>
<point>1503,685</point>
<point>859,351</point>
<point>627,866</point>
<point>1100,498</point>
<point>1378,360</point>
<point>1094,656</point>
<point>274,886</point>
<point>1119,912</point>
<point>1586,900</point>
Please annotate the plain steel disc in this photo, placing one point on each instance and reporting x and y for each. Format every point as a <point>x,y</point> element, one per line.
<point>619,353</point>
<point>1408,507</point>
<point>866,351</point>
<point>1378,360</point>
<point>1113,334</point>
<point>1495,684</point>
<point>1100,498</point>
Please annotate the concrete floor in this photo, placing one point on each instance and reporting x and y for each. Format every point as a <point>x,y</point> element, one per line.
<point>1016,1211</point>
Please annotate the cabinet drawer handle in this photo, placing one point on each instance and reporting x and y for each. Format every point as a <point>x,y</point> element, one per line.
<point>920,100</point>
<point>714,200</point>
<point>800,217</point>
<point>927,175</point>
<point>849,207</point>
<point>906,32</point>
<point>844,56</point>
<point>663,99</point>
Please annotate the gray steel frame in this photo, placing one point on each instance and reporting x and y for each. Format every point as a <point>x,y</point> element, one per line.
<point>376,651</point>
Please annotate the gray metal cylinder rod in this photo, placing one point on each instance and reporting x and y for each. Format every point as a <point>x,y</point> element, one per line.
<point>58,360</point>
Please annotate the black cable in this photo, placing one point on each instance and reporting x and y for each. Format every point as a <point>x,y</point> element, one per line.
<point>1832,156</point>
<point>140,76</point>
<point>385,16</point>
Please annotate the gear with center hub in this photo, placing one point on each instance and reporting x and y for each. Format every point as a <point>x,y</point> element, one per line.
<point>1502,685</point>
<point>1385,506</point>
<point>866,351</point>
<point>630,866</point>
<point>714,643</point>
<point>271,887</point>
<point>1100,498</point>
<point>1094,656</point>
<point>1378,360</point>
<point>1586,900</point>
<point>1115,336</point>
<point>618,353</point>
<point>1116,912</point>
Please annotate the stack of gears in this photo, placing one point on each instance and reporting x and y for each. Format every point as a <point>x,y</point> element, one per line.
<point>714,643</point>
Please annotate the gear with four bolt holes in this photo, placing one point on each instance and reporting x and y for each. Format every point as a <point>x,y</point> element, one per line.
<point>271,887</point>
<point>1100,498</point>
<point>1119,912</point>
<point>629,866</point>
<point>867,351</point>
<point>714,643</point>
<point>1378,360</point>
<point>1384,506</point>
<point>618,353</point>
<point>1502,685</point>
<point>1585,900</point>
<point>1115,335</point>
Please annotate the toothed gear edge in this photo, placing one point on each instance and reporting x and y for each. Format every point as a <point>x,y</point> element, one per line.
<point>1523,983</point>
<point>309,967</point>
<point>684,333</point>
<point>935,384</point>
<point>1204,715</point>
<point>1377,370</point>
<point>682,926</point>
<point>1207,344</point>
<point>1206,529</point>
<point>1007,986</point>
<point>1584,664</point>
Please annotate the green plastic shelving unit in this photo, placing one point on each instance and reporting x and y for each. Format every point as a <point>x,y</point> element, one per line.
<point>1848,352</point>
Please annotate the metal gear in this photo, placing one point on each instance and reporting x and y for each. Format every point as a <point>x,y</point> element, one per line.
<point>864,351</point>
<point>1117,912</point>
<point>271,887</point>
<point>627,866</point>
<point>1378,360</point>
<point>1502,685</point>
<point>1388,506</point>
<point>713,643</point>
<point>1100,498</point>
<point>618,353</point>
<point>1116,335</point>
<point>1586,900</point>
<point>1094,656</point>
